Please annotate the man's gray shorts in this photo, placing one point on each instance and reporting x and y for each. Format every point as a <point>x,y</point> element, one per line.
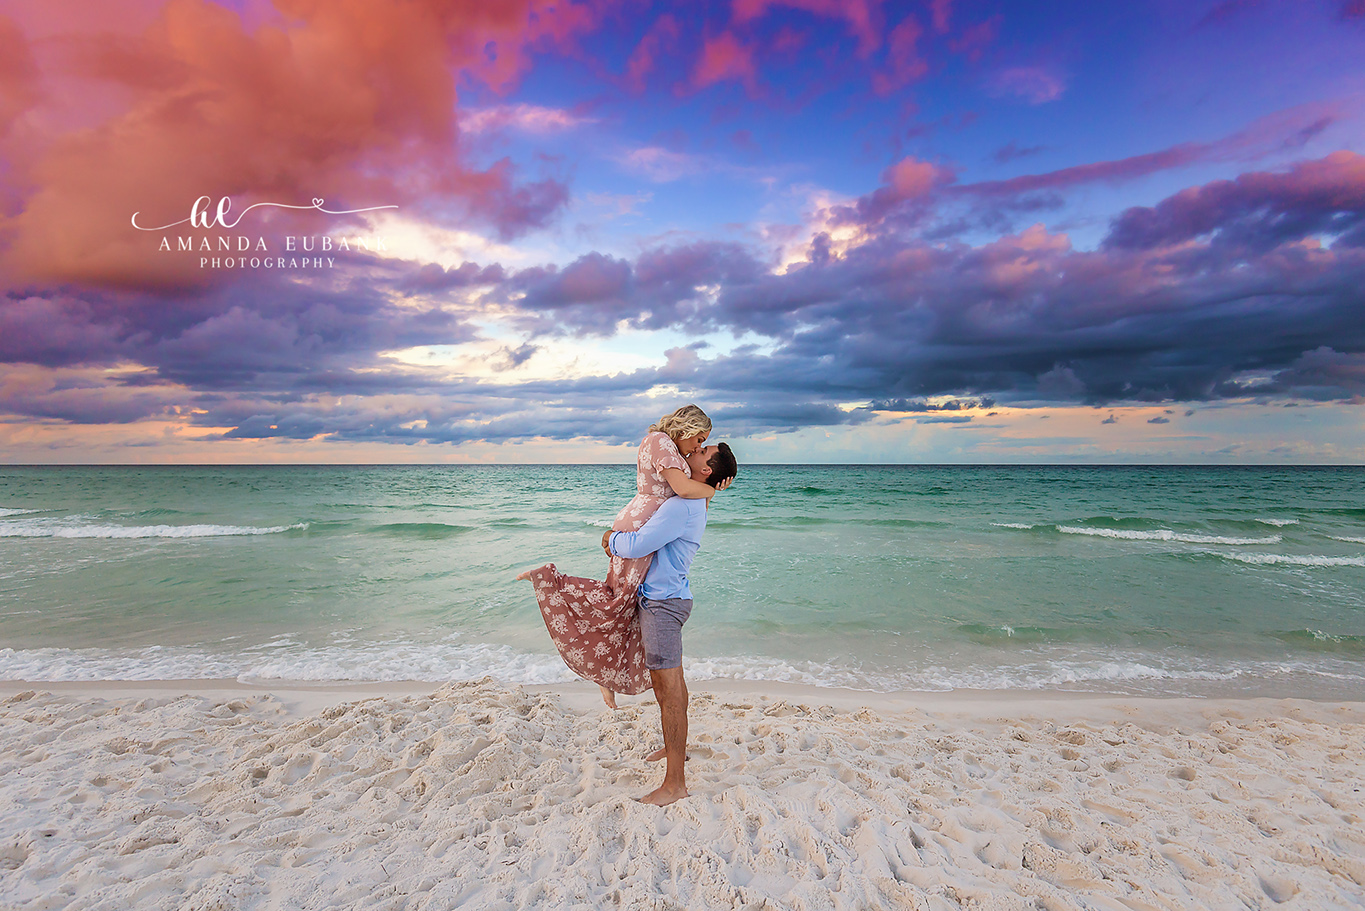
<point>661,624</point>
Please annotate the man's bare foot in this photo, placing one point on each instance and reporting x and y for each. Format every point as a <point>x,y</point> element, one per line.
<point>607,696</point>
<point>662,796</point>
<point>660,753</point>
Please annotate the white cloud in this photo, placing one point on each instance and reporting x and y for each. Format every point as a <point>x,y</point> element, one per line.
<point>659,164</point>
<point>527,118</point>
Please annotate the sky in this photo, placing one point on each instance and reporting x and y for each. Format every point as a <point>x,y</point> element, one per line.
<point>947,231</point>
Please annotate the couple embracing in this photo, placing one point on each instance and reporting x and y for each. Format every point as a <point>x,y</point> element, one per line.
<point>625,634</point>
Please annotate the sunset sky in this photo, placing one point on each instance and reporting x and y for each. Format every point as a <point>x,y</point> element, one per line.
<point>852,231</point>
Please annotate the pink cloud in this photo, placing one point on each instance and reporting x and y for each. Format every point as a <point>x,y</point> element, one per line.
<point>788,41</point>
<point>662,34</point>
<point>1284,129</point>
<point>909,178</point>
<point>939,12</point>
<point>348,102</point>
<point>974,40</point>
<point>908,182</point>
<point>724,58</point>
<point>862,16</point>
<point>904,64</point>
<point>1115,170</point>
<point>18,75</point>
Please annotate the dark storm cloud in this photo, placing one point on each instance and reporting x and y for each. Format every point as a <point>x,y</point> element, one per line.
<point>55,330</point>
<point>917,196</point>
<point>1250,287</point>
<point>1258,210</point>
<point>88,402</point>
<point>1179,302</point>
<point>921,405</point>
<point>663,287</point>
<point>497,415</point>
<point>249,334</point>
<point>432,278</point>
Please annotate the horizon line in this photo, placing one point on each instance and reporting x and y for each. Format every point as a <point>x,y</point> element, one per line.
<point>630,464</point>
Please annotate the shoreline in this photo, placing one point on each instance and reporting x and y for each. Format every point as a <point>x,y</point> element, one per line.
<point>304,697</point>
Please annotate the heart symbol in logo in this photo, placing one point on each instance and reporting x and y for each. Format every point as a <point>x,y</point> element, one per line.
<point>317,203</point>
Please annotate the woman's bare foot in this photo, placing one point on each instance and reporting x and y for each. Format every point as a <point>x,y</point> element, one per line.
<point>607,696</point>
<point>526,576</point>
<point>663,796</point>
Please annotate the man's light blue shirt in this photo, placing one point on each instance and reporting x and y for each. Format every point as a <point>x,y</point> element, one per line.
<point>672,535</point>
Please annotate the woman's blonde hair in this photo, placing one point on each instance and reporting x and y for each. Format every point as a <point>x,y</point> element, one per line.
<point>687,421</point>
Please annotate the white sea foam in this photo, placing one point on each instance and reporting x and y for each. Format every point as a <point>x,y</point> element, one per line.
<point>1350,539</point>
<point>16,512</point>
<point>1163,534</point>
<point>437,663</point>
<point>1085,673</point>
<point>153,663</point>
<point>1012,525</point>
<point>446,662</point>
<point>58,528</point>
<point>1296,559</point>
<point>1054,674</point>
<point>1278,522</point>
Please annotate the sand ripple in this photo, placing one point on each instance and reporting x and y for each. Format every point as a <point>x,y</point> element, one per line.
<point>479,796</point>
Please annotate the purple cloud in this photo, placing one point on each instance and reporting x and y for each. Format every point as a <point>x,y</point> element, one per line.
<point>1324,197</point>
<point>1035,84</point>
<point>1248,287</point>
<point>1012,151</point>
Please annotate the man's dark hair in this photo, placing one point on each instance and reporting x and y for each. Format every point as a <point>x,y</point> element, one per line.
<point>722,464</point>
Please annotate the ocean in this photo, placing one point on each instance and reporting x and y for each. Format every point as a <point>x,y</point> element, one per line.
<point>1192,581</point>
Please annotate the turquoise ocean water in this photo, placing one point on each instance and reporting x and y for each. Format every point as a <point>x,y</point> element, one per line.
<point>1142,580</point>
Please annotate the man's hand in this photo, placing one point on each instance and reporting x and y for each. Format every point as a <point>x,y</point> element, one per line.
<point>606,546</point>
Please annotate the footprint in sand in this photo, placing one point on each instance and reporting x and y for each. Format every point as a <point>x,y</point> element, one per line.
<point>12,856</point>
<point>1279,888</point>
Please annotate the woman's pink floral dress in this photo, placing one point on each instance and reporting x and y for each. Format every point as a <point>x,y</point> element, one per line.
<point>595,625</point>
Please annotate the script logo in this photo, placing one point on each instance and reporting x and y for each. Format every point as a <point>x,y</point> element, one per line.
<point>200,216</point>
<point>205,216</point>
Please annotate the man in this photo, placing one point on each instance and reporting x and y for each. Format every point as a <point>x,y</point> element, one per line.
<point>672,535</point>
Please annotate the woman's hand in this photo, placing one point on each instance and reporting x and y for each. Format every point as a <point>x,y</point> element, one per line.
<point>685,487</point>
<point>724,484</point>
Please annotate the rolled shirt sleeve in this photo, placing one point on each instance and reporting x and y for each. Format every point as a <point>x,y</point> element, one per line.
<point>667,524</point>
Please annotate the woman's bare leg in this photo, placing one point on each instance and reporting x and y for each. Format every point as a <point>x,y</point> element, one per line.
<point>607,696</point>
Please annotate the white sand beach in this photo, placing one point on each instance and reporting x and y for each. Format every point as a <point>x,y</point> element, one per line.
<point>211,795</point>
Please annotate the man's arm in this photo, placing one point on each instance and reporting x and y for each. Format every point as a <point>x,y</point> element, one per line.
<point>667,524</point>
